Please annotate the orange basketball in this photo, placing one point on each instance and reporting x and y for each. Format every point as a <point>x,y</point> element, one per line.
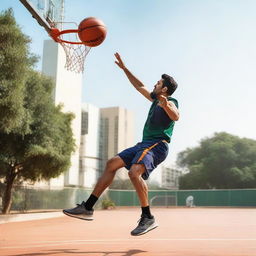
<point>92,31</point>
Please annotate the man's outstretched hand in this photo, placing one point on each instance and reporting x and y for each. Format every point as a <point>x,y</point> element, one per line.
<point>119,61</point>
<point>138,85</point>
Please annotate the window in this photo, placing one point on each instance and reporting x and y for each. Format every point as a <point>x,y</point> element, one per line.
<point>116,135</point>
<point>84,128</point>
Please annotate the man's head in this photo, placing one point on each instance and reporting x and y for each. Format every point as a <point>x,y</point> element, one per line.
<point>165,86</point>
<point>169,83</point>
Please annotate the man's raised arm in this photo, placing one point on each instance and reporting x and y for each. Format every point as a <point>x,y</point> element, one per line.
<point>138,85</point>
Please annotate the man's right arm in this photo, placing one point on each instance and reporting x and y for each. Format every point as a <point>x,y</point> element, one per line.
<point>138,85</point>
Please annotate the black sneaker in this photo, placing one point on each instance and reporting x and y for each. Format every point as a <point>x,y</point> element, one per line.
<point>145,225</point>
<point>79,212</point>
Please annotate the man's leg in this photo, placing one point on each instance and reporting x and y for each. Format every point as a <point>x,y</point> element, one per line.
<point>108,175</point>
<point>139,184</point>
<point>147,221</point>
<point>85,209</point>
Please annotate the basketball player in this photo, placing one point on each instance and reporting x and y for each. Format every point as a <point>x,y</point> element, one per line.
<point>143,158</point>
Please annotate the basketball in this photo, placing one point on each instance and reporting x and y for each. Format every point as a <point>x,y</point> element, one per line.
<point>92,31</point>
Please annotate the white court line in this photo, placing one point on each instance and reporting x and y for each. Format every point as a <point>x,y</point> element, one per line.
<point>111,241</point>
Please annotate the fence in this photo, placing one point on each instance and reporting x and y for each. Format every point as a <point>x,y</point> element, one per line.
<point>232,197</point>
<point>129,197</point>
<point>25,198</point>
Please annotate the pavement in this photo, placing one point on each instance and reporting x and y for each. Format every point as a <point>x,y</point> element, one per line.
<point>16,217</point>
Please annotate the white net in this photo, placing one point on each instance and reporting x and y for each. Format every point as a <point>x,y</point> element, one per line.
<point>75,50</point>
<point>75,56</point>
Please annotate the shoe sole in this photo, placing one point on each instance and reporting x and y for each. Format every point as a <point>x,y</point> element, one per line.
<point>153,226</point>
<point>81,217</point>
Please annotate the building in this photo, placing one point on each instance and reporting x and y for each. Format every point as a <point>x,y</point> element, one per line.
<point>89,146</point>
<point>104,133</point>
<point>170,177</point>
<point>117,134</point>
<point>67,91</point>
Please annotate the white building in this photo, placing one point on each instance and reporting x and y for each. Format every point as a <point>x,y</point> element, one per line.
<point>89,146</point>
<point>117,134</point>
<point>104,133</point>
<point>67,91</point>
<point>170,177</point>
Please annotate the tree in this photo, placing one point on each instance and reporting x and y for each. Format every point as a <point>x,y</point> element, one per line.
<point>223,161</point>
<point>40,143</point>
<point>15,61</point>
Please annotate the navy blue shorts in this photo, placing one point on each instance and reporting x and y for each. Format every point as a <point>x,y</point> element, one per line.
<point>150,153</point>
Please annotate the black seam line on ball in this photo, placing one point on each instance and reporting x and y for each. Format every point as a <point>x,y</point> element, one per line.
<point>93,40</point>
<point>81,29</point>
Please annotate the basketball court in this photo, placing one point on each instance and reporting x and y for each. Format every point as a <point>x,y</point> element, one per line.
<point>181,231</point>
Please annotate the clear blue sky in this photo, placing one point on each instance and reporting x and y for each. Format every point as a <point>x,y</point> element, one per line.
<point>208,46</point>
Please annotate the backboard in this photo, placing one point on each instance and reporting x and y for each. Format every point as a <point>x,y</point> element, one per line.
<point>48,13</point>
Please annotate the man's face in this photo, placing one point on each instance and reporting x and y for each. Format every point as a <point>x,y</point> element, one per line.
<point>158,87</point>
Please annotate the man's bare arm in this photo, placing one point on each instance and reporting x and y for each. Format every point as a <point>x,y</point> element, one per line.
<point>169,107</point>
<point>138,85</point>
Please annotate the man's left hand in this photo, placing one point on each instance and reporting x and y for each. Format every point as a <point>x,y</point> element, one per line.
<point>163,102</point>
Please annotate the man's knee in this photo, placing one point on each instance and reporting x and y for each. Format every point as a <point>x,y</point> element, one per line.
<point>114,163</point>
<point>110,162</point>
<point>136,171</point>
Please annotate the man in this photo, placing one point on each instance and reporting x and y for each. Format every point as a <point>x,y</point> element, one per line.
<point>144,157</point>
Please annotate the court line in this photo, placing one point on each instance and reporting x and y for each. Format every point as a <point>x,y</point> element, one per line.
<point>110,241</point>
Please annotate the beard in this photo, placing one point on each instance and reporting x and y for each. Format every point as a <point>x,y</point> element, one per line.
<point>153,95</point>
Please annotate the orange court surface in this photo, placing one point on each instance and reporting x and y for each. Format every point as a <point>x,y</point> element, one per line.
<point>181,232</point>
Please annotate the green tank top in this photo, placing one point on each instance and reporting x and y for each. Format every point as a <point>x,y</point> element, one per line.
<point>158,124</point>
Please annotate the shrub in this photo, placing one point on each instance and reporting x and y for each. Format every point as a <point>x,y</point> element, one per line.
<point>107,204</point>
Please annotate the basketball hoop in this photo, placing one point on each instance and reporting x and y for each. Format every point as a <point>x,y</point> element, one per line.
<point>75,50</point>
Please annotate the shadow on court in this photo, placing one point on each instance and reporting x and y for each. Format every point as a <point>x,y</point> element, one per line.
<point>74,251</point>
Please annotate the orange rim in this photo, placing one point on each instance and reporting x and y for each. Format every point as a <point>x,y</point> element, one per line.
<point>56,33</point>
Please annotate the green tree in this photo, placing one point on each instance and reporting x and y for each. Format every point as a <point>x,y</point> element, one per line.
<point>15,61</point>
<point>223,161</point>
<point>40,143</point>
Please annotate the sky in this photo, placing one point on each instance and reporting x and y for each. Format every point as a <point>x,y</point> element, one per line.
<point>208,46</point>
